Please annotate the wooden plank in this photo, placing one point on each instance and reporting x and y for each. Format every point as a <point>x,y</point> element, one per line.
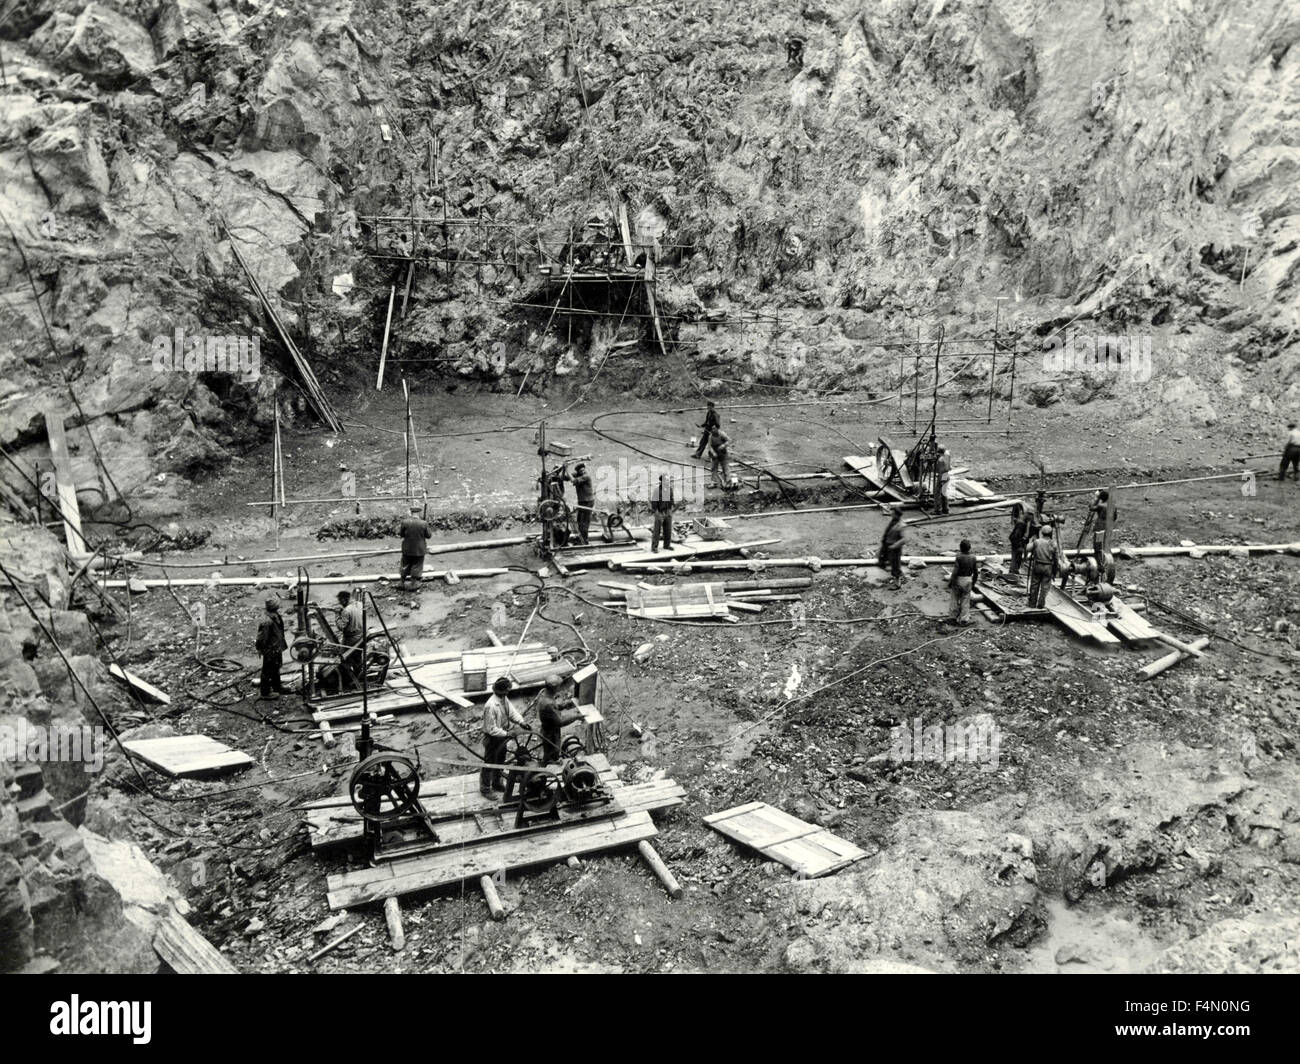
<point>141,687</point>
<point>186,951</point>
<point>808,849</point>
<point>187,755</point>
<point>427,871</point>
<point>66,485</point>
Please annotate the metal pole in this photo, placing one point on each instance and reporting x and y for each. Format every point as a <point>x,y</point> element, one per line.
<point>993,369</point>
<point>407,392</point>
<point>1011,393</point>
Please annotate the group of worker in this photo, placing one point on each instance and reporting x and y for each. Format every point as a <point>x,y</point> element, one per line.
<point>501,720</point>
<point>719,447</point>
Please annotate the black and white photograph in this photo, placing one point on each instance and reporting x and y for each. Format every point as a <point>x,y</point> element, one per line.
<point>643,487</point>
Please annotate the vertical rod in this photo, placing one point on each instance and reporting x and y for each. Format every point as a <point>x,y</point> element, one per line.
<point>993,369</point>
<point>916,380</point>
<point>407,393</point>
<point>1011,393</point>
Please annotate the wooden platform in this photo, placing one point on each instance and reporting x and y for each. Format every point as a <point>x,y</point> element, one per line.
<point>809,850</point>
<point>686,600</point>
<point>188,755</point>
<point>332,822</point>
<point>614,555</point>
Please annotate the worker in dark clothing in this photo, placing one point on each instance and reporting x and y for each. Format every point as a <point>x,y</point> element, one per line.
<point>271,646</point>
<point>1021,521</point>
<point>711,422</point>
<point>415,533</point>
<point>720,474</point>
<point>794,53</point>
<point>1290,453</point>
<point>1043,565</point>
<point>961,585</point>
<point>661,505</point>
<point>555,712</point>
<point>586,493</point>
<point>349,641</point>
<point>891,550</point>
<point>1097,514</point>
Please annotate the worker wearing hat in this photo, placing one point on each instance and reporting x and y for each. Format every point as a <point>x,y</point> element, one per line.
<point>414,533</point>
<point>555,712</point>
<point>1042,567</point>
<point>498,716</point>
<point>271,646</point>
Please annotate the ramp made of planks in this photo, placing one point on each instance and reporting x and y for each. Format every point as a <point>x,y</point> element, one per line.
<point>809,850</point>
<point>187,755</point>
<point>141,687</point>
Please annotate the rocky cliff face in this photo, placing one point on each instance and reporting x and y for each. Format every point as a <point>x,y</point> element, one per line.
<point>1127,164</point>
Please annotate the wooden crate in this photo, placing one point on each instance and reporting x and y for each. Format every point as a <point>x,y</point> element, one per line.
<point>711,528</point>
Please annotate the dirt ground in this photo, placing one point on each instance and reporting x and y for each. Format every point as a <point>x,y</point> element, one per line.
<point>1124,825</point>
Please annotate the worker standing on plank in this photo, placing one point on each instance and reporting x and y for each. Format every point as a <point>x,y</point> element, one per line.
<point>711,422</point>
<point>349,641</point>
<point>961,585</point>
<point>498,716</point>
<point>1021,520</point>
<point>271,645</point>
<point>719,443</point>
<point>661,505</point>
<point>943,477</point>
<point>1100,503</point>
<point>414,532</point>
<point>891,549</point>
<point>555,712</point>
<point>1042,561</point>
<point>1290,453</point>
<point>582,485</point>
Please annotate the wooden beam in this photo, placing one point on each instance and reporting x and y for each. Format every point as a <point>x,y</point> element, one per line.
<point>66,485</point>
<point>383,351</point>
<point>1170,660</point>
<point>492,898</point>
<point>393,918</point>
<point>661,870</point>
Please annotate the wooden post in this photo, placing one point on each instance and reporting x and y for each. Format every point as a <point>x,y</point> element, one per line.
<point>277,485</point>
<point>393,917</point>
<point>383,353</point>
<point>660,869</point>
<point>1190,649</point>
<point>493,899</point>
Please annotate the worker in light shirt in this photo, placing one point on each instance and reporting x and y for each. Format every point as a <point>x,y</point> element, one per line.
<point>498,716</point>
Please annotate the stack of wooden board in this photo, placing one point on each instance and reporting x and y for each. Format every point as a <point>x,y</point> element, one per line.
<point>707,599</point>
<point>441,678</point>
<point>809,850</point>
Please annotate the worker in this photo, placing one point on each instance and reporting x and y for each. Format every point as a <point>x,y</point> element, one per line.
<point>271,646</point>
<point>1042,567</point>
<point>891,549</point>
<point>1290,453</point>
<point>710,423</point>
<point>349,641</point>
<point>943,478</point>
<point>662,502</point>
<point>1021,522</point>
<point>555,712</point>
<point>719,444</point>
<point>582,485</point>
<point>961,585</point>
<point>1097,514</point>
<point>498,716</point>
<point>414,532</point>
<point>794,53</point>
